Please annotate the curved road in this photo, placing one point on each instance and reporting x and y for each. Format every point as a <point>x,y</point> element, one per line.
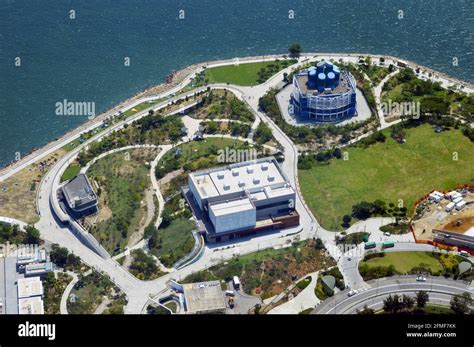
<point>138,292</point>
<point>438,288</point>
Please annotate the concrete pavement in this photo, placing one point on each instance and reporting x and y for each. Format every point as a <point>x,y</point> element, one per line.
<point>138,292</point>
<point>341,303</point>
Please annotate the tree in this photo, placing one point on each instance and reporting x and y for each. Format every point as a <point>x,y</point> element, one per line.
<point>263,133</point>
<point>421,299</point>
<point>366,310</point>
<point>346,220</point>
<point>362,210</point>
<point>73,261</point>
<point>392,304</point>
<point>460,303</point>
<point>407,302</point>
<point>295,50</point>
<point>319,244</point>
<point>33,235</point>
<point>166,217</point>
<point>59,255</point>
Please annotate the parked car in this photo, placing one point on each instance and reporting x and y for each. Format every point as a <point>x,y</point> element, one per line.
<point>352,292</point>
<point>386,233</point>
<point>421,279</point>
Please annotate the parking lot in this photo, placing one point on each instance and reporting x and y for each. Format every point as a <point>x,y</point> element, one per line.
<point>242,301</point>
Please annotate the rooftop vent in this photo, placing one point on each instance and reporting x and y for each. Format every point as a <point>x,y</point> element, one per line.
<point>241,183</point>
<point>226,186</point>
<point>220,175</point>
<point>250,169</point>
<point>264,167</point>
<point>256,180</point>
<point>235,172</point>
<point>271,178</point>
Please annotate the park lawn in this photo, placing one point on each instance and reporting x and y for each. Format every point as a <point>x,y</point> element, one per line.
<point>269,269</point>
<point>388,171</point>
<point>71,172</point>
<point>244,74</point>
<point>122,179</point>
<point>405,261</point>
<point>174,241</point>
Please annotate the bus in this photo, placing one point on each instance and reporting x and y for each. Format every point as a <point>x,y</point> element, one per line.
<point>388,244</point>
<point>369,245</point>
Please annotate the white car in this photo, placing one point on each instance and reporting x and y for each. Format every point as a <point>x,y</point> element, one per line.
<point>386,233</point>
<point>421,279</point>
<point>352,292</point>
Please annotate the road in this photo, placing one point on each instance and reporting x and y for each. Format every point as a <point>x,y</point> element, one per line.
<point>438,288</point>
<point>54,230</point>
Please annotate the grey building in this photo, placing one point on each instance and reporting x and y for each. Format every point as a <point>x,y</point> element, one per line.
<point>79,196</point>
<point>242,198</point>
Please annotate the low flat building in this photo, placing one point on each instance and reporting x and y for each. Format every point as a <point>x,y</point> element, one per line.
<point>33,305</point>
<point>79,197</point>
<point>204,297</point>
<point>30,254</point>
<point>241,198</point>
<point>29,287</point>
<point>38,269</point>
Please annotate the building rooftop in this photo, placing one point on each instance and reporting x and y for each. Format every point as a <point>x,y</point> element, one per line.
<point>203,297</point>
<point>78,192</point>
<point>234,206</point>
<point>302,79</point>
<point>250,176</point>
<point>32,305</point>
<point>29,287</point>
<point>27,254</point>
<point>38,268</point>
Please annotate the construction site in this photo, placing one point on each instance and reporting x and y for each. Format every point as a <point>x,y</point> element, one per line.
<point>446,219</point>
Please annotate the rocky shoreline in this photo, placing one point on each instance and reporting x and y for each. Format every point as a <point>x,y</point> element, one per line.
<point>177,77</point>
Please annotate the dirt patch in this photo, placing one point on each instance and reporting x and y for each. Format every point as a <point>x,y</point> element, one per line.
<point>18,193</point>
<point>461,224</point>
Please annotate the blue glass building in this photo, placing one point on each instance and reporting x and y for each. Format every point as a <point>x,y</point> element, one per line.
<point>324,93</point>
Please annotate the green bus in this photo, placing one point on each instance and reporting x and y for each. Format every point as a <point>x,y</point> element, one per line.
<point>370,245</point>
<point>388,244</point>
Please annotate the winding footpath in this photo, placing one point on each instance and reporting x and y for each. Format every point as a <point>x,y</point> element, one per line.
<point>55,228</point>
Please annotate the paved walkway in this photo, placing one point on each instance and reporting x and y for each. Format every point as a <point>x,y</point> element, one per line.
<point>67,291</point>
<point>138,292</point>
<point>305,299</point>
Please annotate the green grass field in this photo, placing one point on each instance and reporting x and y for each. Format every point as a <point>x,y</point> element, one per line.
<point>176,241</point>
<point>244,74</point>
<point>388,171</point>
<point>405,261</point>
<point>71,172</point>
<point>123,179</point>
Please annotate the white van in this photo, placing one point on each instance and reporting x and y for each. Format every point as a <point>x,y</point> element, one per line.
<point>236,282</point>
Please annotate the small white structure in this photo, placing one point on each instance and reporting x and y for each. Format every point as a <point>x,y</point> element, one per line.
<point>435,197</point>
<point>450,206</point>
<point>31,286</point>
<point>460,205</point>
<point>32,305</point>
<point>457,200</point>
<point>453,195</point>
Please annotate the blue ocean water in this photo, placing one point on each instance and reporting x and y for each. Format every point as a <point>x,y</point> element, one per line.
<point>82,59</point>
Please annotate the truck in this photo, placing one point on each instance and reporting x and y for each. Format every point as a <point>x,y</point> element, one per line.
<point>236,282</point>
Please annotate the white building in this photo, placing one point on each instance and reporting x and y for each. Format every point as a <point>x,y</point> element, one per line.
<point>28,287</point>
<point>243,198</point>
